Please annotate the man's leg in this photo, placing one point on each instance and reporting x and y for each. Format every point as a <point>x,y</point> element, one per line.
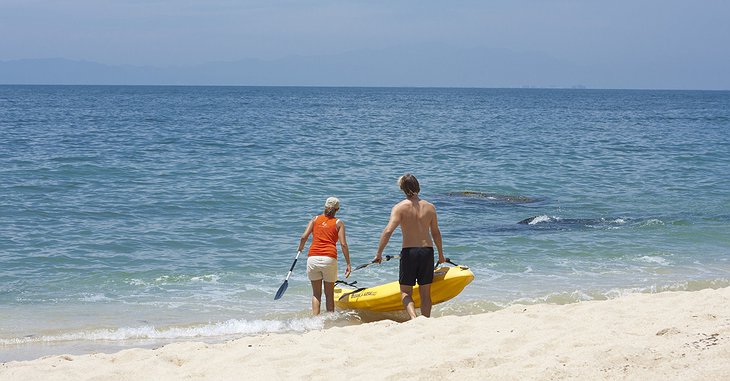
<point>329,295</point>
<point>406,298</point>
<point>424,291</point>
<point>316,296</point>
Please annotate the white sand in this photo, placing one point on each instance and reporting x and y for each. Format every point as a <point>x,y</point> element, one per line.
<point>666,336</point>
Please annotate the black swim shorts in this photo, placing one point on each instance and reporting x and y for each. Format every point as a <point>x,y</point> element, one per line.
<point>416,264</point>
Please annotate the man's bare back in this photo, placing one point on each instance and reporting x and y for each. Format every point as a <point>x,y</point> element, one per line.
<point>415,217</point>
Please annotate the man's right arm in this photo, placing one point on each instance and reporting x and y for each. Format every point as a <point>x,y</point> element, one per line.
<point>436,235</point>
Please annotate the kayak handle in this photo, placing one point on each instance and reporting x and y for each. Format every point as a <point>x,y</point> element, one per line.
<point>352,284</point>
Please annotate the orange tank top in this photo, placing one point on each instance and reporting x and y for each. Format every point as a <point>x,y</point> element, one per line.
<point>324,237</point>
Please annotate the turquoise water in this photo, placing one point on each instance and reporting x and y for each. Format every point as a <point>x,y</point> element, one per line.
<point>135,216</point>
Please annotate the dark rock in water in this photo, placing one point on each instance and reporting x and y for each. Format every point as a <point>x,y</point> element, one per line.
<point>513,199</point>
<point>528,220</point>
<point>587,222</point>
<point>544,219</point>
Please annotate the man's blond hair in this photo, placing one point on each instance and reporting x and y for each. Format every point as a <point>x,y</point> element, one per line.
<point>409,185</point>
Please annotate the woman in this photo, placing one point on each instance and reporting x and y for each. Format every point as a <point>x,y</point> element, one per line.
<point>326,230</point>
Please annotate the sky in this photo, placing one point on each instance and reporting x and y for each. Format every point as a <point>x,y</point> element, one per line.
<point>686,39</point>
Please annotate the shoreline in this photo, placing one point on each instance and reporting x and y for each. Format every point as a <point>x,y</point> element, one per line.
<point>670,335</point>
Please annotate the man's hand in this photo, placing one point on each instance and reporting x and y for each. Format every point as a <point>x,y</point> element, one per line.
<point>378,258</point>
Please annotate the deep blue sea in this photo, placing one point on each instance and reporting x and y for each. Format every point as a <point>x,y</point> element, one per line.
<point>136,216</point>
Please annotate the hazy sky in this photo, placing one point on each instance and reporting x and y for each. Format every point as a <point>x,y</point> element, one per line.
<point>691,35</point>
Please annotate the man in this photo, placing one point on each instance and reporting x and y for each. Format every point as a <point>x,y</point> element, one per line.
<point>418,222</point>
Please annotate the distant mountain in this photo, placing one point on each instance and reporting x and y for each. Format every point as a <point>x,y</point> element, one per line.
<point>408,66</point>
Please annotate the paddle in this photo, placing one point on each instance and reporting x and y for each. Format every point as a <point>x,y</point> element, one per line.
<point>285,285</point>
<point>387,258</point>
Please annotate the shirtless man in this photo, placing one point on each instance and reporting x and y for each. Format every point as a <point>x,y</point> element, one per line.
<point>417,219</point>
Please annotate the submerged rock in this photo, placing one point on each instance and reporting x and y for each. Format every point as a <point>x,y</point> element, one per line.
<point>512,199</point>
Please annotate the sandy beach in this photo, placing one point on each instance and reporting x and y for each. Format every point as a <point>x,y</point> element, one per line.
<point>665,336</point>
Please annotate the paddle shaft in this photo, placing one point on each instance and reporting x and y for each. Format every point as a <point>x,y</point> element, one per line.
<point>387,258</point>
<point>292,266</point>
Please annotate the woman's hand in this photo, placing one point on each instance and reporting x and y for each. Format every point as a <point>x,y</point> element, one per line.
<point>348,270</point>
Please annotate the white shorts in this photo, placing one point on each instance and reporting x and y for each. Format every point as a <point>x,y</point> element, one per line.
<point>321,267</point>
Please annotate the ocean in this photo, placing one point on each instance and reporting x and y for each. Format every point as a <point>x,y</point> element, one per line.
<point>134,216</point>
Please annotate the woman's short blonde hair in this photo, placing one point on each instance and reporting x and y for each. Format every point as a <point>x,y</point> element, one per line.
<point>331,206</point>
<point>332,203</point>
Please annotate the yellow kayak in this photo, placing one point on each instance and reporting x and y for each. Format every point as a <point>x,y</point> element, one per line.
<point>447,283</point>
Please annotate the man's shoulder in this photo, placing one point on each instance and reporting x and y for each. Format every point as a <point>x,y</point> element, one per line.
<point>426,203</point>
<point>401,203</point>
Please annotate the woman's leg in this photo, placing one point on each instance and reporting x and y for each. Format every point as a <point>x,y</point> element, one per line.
<point>316,296</point>
<point>329,294</point>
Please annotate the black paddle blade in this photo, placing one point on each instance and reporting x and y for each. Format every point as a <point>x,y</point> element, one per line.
<point>281,290</point>
<point>363,266</point>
